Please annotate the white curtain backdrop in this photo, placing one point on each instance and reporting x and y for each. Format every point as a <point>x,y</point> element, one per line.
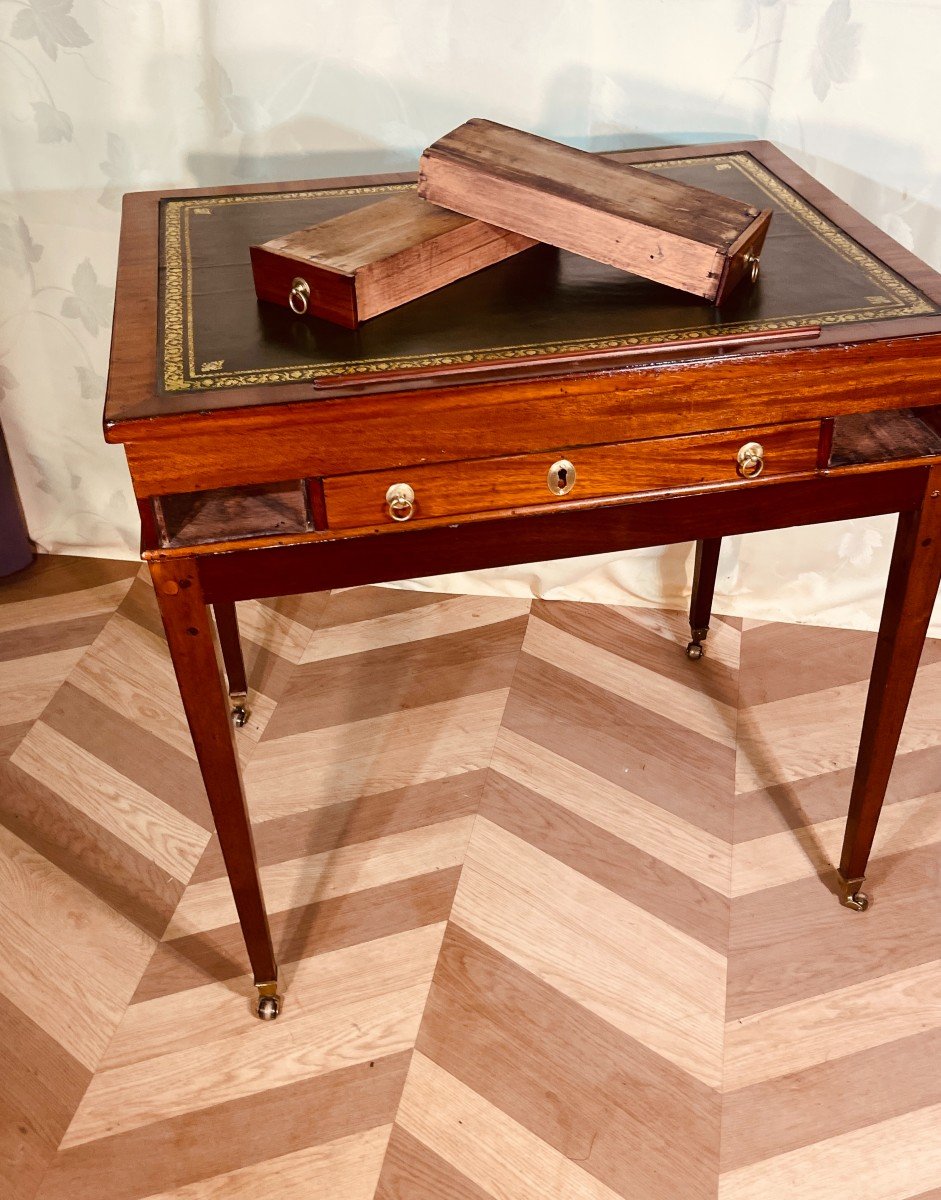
<point>99,98</point>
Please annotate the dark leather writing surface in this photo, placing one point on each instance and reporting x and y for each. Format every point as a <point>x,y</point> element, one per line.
<point>215,334</point>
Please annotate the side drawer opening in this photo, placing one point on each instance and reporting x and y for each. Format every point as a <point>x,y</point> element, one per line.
<point>228,514</point>
<point>888,436</point>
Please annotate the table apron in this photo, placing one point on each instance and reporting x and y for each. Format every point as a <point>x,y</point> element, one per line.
<point>404,553</point>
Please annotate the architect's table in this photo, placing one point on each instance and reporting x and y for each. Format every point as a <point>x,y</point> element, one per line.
<point>543,408</point>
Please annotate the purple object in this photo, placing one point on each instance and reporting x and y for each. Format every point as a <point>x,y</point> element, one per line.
<point>16,551</point>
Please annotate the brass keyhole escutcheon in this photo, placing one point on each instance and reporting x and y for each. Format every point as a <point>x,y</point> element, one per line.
<point>750,460</point>
<point>561,477</point>
<point>299,295</point>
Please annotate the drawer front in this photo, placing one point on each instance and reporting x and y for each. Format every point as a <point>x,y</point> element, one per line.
<point>592,472</point>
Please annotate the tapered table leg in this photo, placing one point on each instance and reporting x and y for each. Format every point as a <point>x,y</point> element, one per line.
<point>704,590</point>
<point>914,576</point>
<point>228,628</point>
<point>196,663</point>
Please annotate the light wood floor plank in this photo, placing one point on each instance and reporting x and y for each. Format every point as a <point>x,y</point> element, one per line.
<point>129,669</point>
<point>635,1122</point>
<point>347,1169</point>
<point>640,974</point>
<point>661,695</point>
<point>893,1160</point>
<point>27,684</point>
<point>299,1045</point>
<point>411,1171</point>
<point>497,1154</point>
<point>216,1011</point>
<point>811,734</point>
<point>803,852</point>
<point>673,627</point>
<point>205,1143</point>
<point>334,873</point>
<point>64,953</point>
<point>789,1039</point>
<point>311,929</point>
<point>615,864</point>
<point>63,606</point>
<point>451,614</point>
<point>657,831</point>
<point>613,630</point>
<point>810,1106</point>
<point>327,766</point>
<point>268,626</point>
<point>153,828</point>
<point>674,768</point>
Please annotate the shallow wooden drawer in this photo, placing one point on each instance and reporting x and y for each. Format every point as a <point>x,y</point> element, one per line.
<point>491,484</point>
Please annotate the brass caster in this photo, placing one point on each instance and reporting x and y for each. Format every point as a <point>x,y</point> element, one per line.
<point>240,710</point>
<point>268,1007</point>
<point>694,650</point>
<point>269,1002</point>
<point>858,901</point>
<point>851,896</point>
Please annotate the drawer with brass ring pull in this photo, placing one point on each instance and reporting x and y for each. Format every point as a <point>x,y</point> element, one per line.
<point>589,472</point>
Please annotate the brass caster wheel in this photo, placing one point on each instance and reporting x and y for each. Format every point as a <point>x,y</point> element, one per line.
<point>269,1002</point>
<point>268,1007</point>
<point>239,715</point>
<point>694,651</point>
<point>851,896</point>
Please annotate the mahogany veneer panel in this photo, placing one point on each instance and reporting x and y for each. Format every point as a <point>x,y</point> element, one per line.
<point>667,231</point>
<point>367,261</point>
<point>366,432</point>
<point>502,483</point>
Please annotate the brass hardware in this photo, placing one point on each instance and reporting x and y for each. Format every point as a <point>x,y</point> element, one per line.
<point>750,460</point>
<point>269,1002</point>
<point>694,648</point>
<point>299,295</point>
<point>752,265</point>
<point>401,501</point>
<point>850,895</point>
<point>561,477</point>
<point>240,710</point>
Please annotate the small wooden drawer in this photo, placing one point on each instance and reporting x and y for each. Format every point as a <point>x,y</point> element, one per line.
<point>592,472</point>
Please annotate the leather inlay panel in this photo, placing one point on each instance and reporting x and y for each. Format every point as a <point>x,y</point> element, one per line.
<point>215,334</point>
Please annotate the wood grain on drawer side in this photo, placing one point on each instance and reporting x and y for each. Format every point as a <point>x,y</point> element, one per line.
<point>489,485</point>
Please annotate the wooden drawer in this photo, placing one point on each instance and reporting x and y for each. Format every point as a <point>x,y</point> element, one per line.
<point>519,481</point>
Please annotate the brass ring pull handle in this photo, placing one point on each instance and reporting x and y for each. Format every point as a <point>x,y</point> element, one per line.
<point>561,477</point>
<point>752,266</point>
<point>401,501</point>
<point>750,460</point>
<point>299,295</point>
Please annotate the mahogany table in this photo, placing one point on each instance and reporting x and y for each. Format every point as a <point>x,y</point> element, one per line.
<point>542,408</point>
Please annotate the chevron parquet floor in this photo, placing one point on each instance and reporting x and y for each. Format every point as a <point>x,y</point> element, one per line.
<point>551,902</point>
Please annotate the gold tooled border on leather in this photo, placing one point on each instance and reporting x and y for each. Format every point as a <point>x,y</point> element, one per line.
<point>894,298</point>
